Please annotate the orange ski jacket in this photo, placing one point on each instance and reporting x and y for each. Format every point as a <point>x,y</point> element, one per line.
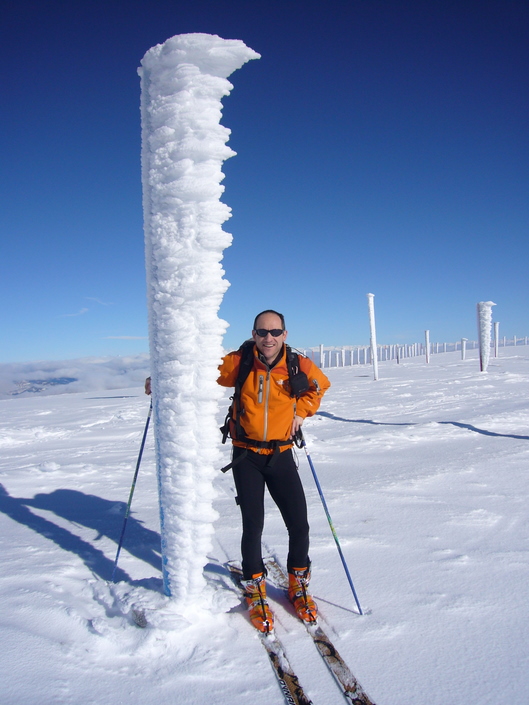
<point>268,408</point>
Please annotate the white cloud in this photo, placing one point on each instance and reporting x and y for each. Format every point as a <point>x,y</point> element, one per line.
<point>88,374</point>
<point>98,301</point>
<point>79,313</point>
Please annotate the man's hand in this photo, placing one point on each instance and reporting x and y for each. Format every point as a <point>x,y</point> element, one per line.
<point>148,385</point>
<point>297,423</point>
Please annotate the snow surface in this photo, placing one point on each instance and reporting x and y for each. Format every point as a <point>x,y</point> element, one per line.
<point>184,146</point>
<point>426,476</point>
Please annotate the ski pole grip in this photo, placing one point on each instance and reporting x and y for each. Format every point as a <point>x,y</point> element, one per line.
<point>298,438</point>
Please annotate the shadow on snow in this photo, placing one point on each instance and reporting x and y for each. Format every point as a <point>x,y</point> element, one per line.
<point>458,424</point>
<point>94,513</point>
<point>327,415</point>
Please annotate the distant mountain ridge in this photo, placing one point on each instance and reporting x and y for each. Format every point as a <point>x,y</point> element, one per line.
<point>70,376</point>
<point>39,385</point>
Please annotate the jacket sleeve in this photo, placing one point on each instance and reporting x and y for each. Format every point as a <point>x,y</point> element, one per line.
<point>229,369</point>
<point>309,402</point>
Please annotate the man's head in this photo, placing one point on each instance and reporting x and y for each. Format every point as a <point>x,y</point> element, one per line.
<point>266,324</point>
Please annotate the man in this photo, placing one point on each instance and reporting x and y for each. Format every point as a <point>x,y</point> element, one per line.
<point>263,424</point>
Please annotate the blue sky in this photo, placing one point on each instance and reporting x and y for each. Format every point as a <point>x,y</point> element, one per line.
<point>382,147</point>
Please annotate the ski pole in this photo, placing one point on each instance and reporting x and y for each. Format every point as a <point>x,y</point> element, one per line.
<point>127,511</point>
<point>304,445</point>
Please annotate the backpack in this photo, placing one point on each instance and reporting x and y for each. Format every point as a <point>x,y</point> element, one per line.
<point>298,383</point>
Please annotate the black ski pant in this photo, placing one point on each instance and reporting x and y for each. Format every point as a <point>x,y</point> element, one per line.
<point>280,475</point>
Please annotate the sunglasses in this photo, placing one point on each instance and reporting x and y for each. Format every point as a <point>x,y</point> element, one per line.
<point>275,332</point>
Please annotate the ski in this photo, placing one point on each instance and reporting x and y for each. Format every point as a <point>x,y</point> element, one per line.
<point>350,687</point>
<point>287,679</point>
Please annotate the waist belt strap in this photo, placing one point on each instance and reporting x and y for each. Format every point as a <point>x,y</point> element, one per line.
<point>234,462</point>
<point>264,444</point>
<point>275,445</point>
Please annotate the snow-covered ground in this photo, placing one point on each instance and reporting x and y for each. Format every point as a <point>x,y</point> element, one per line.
<point>425,473</point>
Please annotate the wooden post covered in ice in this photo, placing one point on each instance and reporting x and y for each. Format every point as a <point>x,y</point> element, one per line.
<point>183,148</point>
<point>373,333</point>
<point>496,338</point>
<point>484,330</point>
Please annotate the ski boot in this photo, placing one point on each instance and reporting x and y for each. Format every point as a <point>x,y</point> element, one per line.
<point>298,582</point>
<point>255,595</point>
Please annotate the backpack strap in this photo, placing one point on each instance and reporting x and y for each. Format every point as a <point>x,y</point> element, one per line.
<point>235,410</point>
<point>245,367</point>
<point>297,379</point>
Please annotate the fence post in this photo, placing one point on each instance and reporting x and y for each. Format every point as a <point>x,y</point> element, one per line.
<point>373,331</point>
<point>496,338</point>
<point>484,309</point>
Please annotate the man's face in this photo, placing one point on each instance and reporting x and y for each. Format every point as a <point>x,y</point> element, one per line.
<point>269,346</point>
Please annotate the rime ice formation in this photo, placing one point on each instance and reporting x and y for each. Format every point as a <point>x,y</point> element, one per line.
<point>183,148</point>
<point>484,329</point>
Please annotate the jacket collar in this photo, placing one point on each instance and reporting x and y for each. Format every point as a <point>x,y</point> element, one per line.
<point>278,358</point>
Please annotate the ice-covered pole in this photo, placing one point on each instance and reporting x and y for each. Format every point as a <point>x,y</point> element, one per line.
<point>496,338</point>
<point>373,333</point>
<point>484,330</point>
<point>183,148</point>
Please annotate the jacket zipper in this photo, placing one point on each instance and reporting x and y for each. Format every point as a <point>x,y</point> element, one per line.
<point>265,434</point>
<point>260,390</point>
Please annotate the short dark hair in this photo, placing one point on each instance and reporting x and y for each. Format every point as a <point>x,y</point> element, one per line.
<point>269,310</point>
